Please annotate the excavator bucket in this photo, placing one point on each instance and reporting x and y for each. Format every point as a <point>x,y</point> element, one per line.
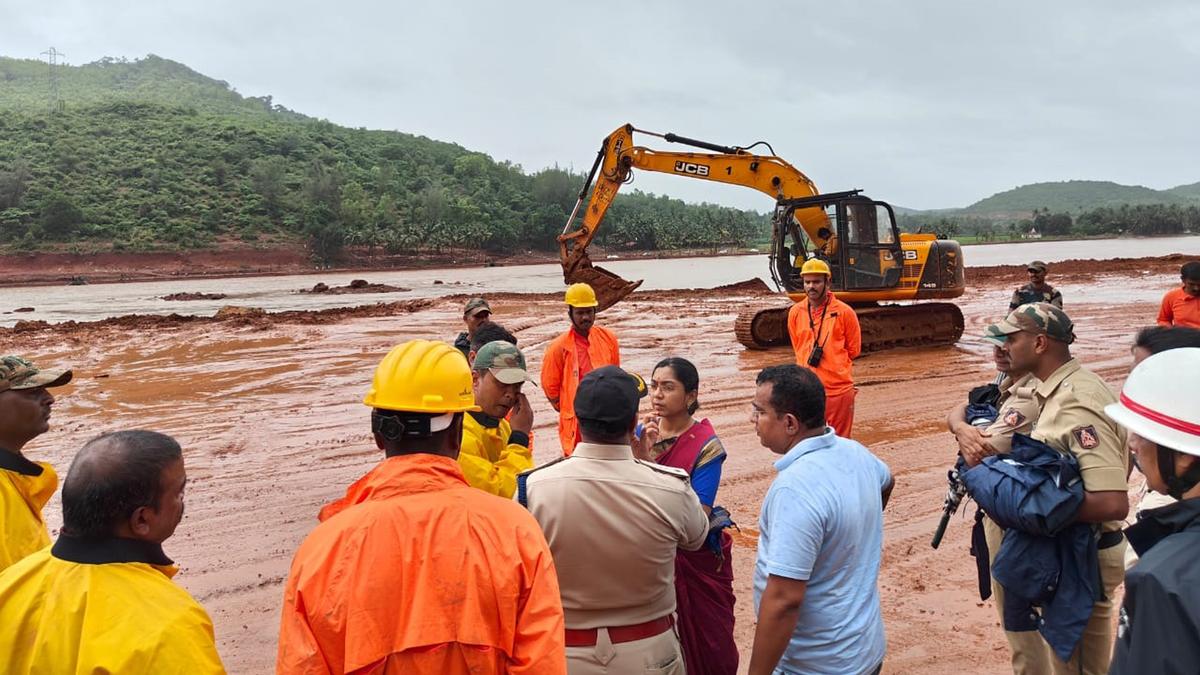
<point>610,288</point>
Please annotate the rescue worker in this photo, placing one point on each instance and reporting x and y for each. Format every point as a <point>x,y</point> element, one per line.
<point>495,449</point>
<point>826,338</point>
<point>492,332</point>
<point>1018,409</point>
<point>572,355</point>
<point>816,577</point>
<point>1158,632</point>
<point>413,570</point>
<point>25,485</point>
<point>1038,338</point>
<point>1037,290</point>
<point>476,313</point>
<point>1181,307</point>
<point>101,599</point>
<point>1149,341</point>
<point>614,524</point>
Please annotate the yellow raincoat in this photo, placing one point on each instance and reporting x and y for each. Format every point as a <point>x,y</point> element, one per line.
<point>25,487</point>
<point>493,454</point>
<point>102,607</point>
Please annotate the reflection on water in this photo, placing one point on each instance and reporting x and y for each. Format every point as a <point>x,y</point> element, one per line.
<point>89,303</point>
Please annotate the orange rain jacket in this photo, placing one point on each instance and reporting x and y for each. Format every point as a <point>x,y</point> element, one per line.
<point>25,487</point>
<point>560,375</point>
<point>414,571</point>
<point>840,340</point>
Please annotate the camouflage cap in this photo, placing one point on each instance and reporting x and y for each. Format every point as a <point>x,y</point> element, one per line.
<point>994,335</point>
<point>19,373</point>
<point>1036,265</point>
<point>1040,318</point>
<point>475,306</point>
<point>504,360</point>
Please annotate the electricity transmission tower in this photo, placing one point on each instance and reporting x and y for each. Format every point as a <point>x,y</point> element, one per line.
<point>53,57</point>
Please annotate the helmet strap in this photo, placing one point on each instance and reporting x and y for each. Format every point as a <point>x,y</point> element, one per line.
<point>1177,485</point>
<point>395,427</point>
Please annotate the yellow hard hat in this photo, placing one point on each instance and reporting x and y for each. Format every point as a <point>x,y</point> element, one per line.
<point>423,376</point>
<point>815,266</point>
<point>581,295</point>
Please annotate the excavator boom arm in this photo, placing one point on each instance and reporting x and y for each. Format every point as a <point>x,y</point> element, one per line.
<point>617,159</point>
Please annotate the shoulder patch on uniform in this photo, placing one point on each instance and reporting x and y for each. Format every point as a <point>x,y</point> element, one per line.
<point>1014,418</point>
<point>1086,437</point>
<point>543,466</point>
<point>669,470</point>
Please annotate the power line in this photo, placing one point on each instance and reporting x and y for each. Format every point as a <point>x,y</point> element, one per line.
<point>52,57</point>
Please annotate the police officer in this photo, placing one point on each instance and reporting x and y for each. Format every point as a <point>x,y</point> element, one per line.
<point>613,524</point>
<point>1072,419</point>
<point>1018,410</point>
<point>1158,630</point>
<point>1037,290</point>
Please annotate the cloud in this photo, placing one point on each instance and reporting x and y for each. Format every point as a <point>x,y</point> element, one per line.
<point>925,104</point>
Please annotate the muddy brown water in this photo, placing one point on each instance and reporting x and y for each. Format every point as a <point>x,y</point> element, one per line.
<point>280,293</point>
<point>271,420</point>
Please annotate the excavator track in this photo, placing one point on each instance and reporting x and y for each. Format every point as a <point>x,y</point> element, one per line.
<point>883,327</point>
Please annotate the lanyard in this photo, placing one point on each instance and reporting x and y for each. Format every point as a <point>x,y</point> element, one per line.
<point>816,327</point>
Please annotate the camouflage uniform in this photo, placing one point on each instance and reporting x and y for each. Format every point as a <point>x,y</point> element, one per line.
<point>1072,420</point>
<point>474,306</point>
<point>1029,293</point>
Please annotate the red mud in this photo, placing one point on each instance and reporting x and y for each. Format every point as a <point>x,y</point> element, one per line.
<point>1082,270</point>
<point>268,408</point>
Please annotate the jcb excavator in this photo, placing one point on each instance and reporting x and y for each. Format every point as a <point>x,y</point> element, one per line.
<point>871,260</point>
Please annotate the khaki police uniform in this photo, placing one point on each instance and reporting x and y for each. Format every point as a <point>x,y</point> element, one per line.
<point>613,524</point>
<point>1019,410</point>
<point>1073,420</point>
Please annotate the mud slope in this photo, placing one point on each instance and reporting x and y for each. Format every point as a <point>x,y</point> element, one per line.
<point>269,412</point>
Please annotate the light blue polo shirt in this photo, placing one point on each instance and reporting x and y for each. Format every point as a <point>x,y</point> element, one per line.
<point>822,522</point>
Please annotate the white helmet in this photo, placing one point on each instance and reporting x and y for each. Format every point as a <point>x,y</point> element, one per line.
<point>1155,403</point>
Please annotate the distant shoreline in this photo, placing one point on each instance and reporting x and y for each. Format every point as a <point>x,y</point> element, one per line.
<point>53,269</point>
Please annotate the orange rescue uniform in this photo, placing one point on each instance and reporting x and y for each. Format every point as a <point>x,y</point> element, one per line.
<point>414,571</point>
<point>834,326</point>
<point>562,371</point>
<point>1179,308</point>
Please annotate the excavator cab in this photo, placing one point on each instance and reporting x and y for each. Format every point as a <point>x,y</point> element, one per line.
<point>856,236</point>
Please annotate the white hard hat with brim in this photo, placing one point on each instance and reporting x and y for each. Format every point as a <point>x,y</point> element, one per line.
<point>1155,403</point>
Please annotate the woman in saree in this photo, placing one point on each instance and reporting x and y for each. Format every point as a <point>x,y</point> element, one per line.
<point>671,436</point>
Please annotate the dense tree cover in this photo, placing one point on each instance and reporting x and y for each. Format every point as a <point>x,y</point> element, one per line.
<point>1078,195</point>
<point>1141,220</point>
<point>150,154</point>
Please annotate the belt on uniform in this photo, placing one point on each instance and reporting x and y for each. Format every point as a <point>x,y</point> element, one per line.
<point>1109,539</point>
<point>587,637</point>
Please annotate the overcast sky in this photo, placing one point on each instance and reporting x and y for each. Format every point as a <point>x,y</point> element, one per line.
<point>923,104</point>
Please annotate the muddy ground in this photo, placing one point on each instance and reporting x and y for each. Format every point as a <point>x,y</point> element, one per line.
<point>268,409</point>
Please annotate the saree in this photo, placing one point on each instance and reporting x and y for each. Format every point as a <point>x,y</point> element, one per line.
<point>704,578</point>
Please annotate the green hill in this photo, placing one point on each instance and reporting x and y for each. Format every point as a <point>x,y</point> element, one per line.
<point>25,86</point>
<point>1075,196</point>
<point>1191,192</point>
<point>150,154</point>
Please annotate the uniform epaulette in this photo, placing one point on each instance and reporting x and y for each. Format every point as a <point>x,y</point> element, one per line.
<point>522,477</point>
<point>669,470</point>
